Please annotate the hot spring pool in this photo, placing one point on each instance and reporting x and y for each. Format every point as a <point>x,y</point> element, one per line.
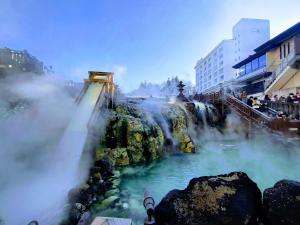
<point>264,157</point>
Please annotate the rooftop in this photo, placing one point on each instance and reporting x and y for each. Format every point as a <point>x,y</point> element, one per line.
<point>276,41</point>
<point>273,43</point>
<point>250,20</point>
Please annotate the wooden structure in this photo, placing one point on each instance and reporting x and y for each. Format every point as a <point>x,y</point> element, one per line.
<point>290,108</point>
<point>249,113</point>
<point>105,78</point>
<point>111,221</point>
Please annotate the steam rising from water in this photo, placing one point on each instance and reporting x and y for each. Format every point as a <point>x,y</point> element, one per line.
<point>30,185</point>
<point>265,157</point>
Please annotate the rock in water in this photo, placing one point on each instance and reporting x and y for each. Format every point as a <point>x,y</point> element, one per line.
<point>212,200</point>
<point>282,203</point>
<point>179,128</point>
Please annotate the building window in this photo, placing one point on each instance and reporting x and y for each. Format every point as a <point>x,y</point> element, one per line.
<point>262,61</point>
<point>254,64</point>
<point>284,53</point>
<point>248,67</point>
<point>221,63</point>
<point>222,77</point>
<point>242,70</point>
<point>280,49</point>
<point>216,80</point>
<point>289,48</point>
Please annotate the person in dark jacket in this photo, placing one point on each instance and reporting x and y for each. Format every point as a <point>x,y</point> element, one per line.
<point>250,101</point>
<point>290,98</point>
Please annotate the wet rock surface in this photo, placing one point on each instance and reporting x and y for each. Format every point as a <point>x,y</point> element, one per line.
<point>225,199</point>
<point>130,139</point>
<point>282,203</point>
<point>177,118</point>
<point>136,134</point>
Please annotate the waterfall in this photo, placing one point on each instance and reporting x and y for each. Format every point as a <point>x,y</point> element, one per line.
<point>154,109</point>
<point>202,112</point>
<point>206,113</point>
<point>212,113</point>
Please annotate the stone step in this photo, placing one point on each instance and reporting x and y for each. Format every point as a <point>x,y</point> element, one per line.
<point>111,221</point>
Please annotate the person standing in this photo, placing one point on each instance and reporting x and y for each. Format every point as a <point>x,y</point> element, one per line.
<point>297,98</point>
<point>250,101</point>
<point>244,97</point>
<point>290,98</point>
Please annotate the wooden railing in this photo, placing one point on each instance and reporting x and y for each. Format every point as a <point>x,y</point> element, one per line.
<point>249,113</point>
<point>290,108</point>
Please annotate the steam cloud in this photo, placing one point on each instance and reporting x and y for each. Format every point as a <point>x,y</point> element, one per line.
<point>31,187</point>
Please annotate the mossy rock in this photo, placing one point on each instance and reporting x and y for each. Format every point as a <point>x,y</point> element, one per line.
<point>97,176</point>
<point>100,152</point>
<point>112,192</point>
<point>135,154</point>
<point>188,148</point>
<point>106,203</point>
<point>119,156</point>
<point>138,137</point>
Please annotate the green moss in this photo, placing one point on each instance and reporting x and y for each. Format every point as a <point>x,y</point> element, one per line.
<point>100,153</point>
<point>119,156</point>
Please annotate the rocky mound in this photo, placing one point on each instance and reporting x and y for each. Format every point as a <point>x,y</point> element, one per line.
<point>136,134</point>
<point>282,203</point>
<point>212,200</point>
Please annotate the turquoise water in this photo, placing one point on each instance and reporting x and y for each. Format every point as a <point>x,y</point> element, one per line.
<point>266,158</point>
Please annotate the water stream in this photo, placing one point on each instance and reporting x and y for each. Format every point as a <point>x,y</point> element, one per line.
<point>265,157</point>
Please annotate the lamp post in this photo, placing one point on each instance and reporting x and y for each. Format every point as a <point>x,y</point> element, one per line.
<point>149,204</point>
<point>181,89</point>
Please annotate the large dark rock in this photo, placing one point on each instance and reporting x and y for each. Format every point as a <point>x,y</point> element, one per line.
<point>215,200</point>
<point>106,166</point>
<point>282,203</point>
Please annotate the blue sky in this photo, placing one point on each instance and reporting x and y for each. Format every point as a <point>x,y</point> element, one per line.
<point>137,39</point>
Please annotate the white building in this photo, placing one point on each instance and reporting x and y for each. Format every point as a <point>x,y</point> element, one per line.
<point>216,67</point>
<point>247,35</point>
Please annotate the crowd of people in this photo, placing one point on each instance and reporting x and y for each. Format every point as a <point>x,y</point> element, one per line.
<point>291,98</point>
<point>264,104</point>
